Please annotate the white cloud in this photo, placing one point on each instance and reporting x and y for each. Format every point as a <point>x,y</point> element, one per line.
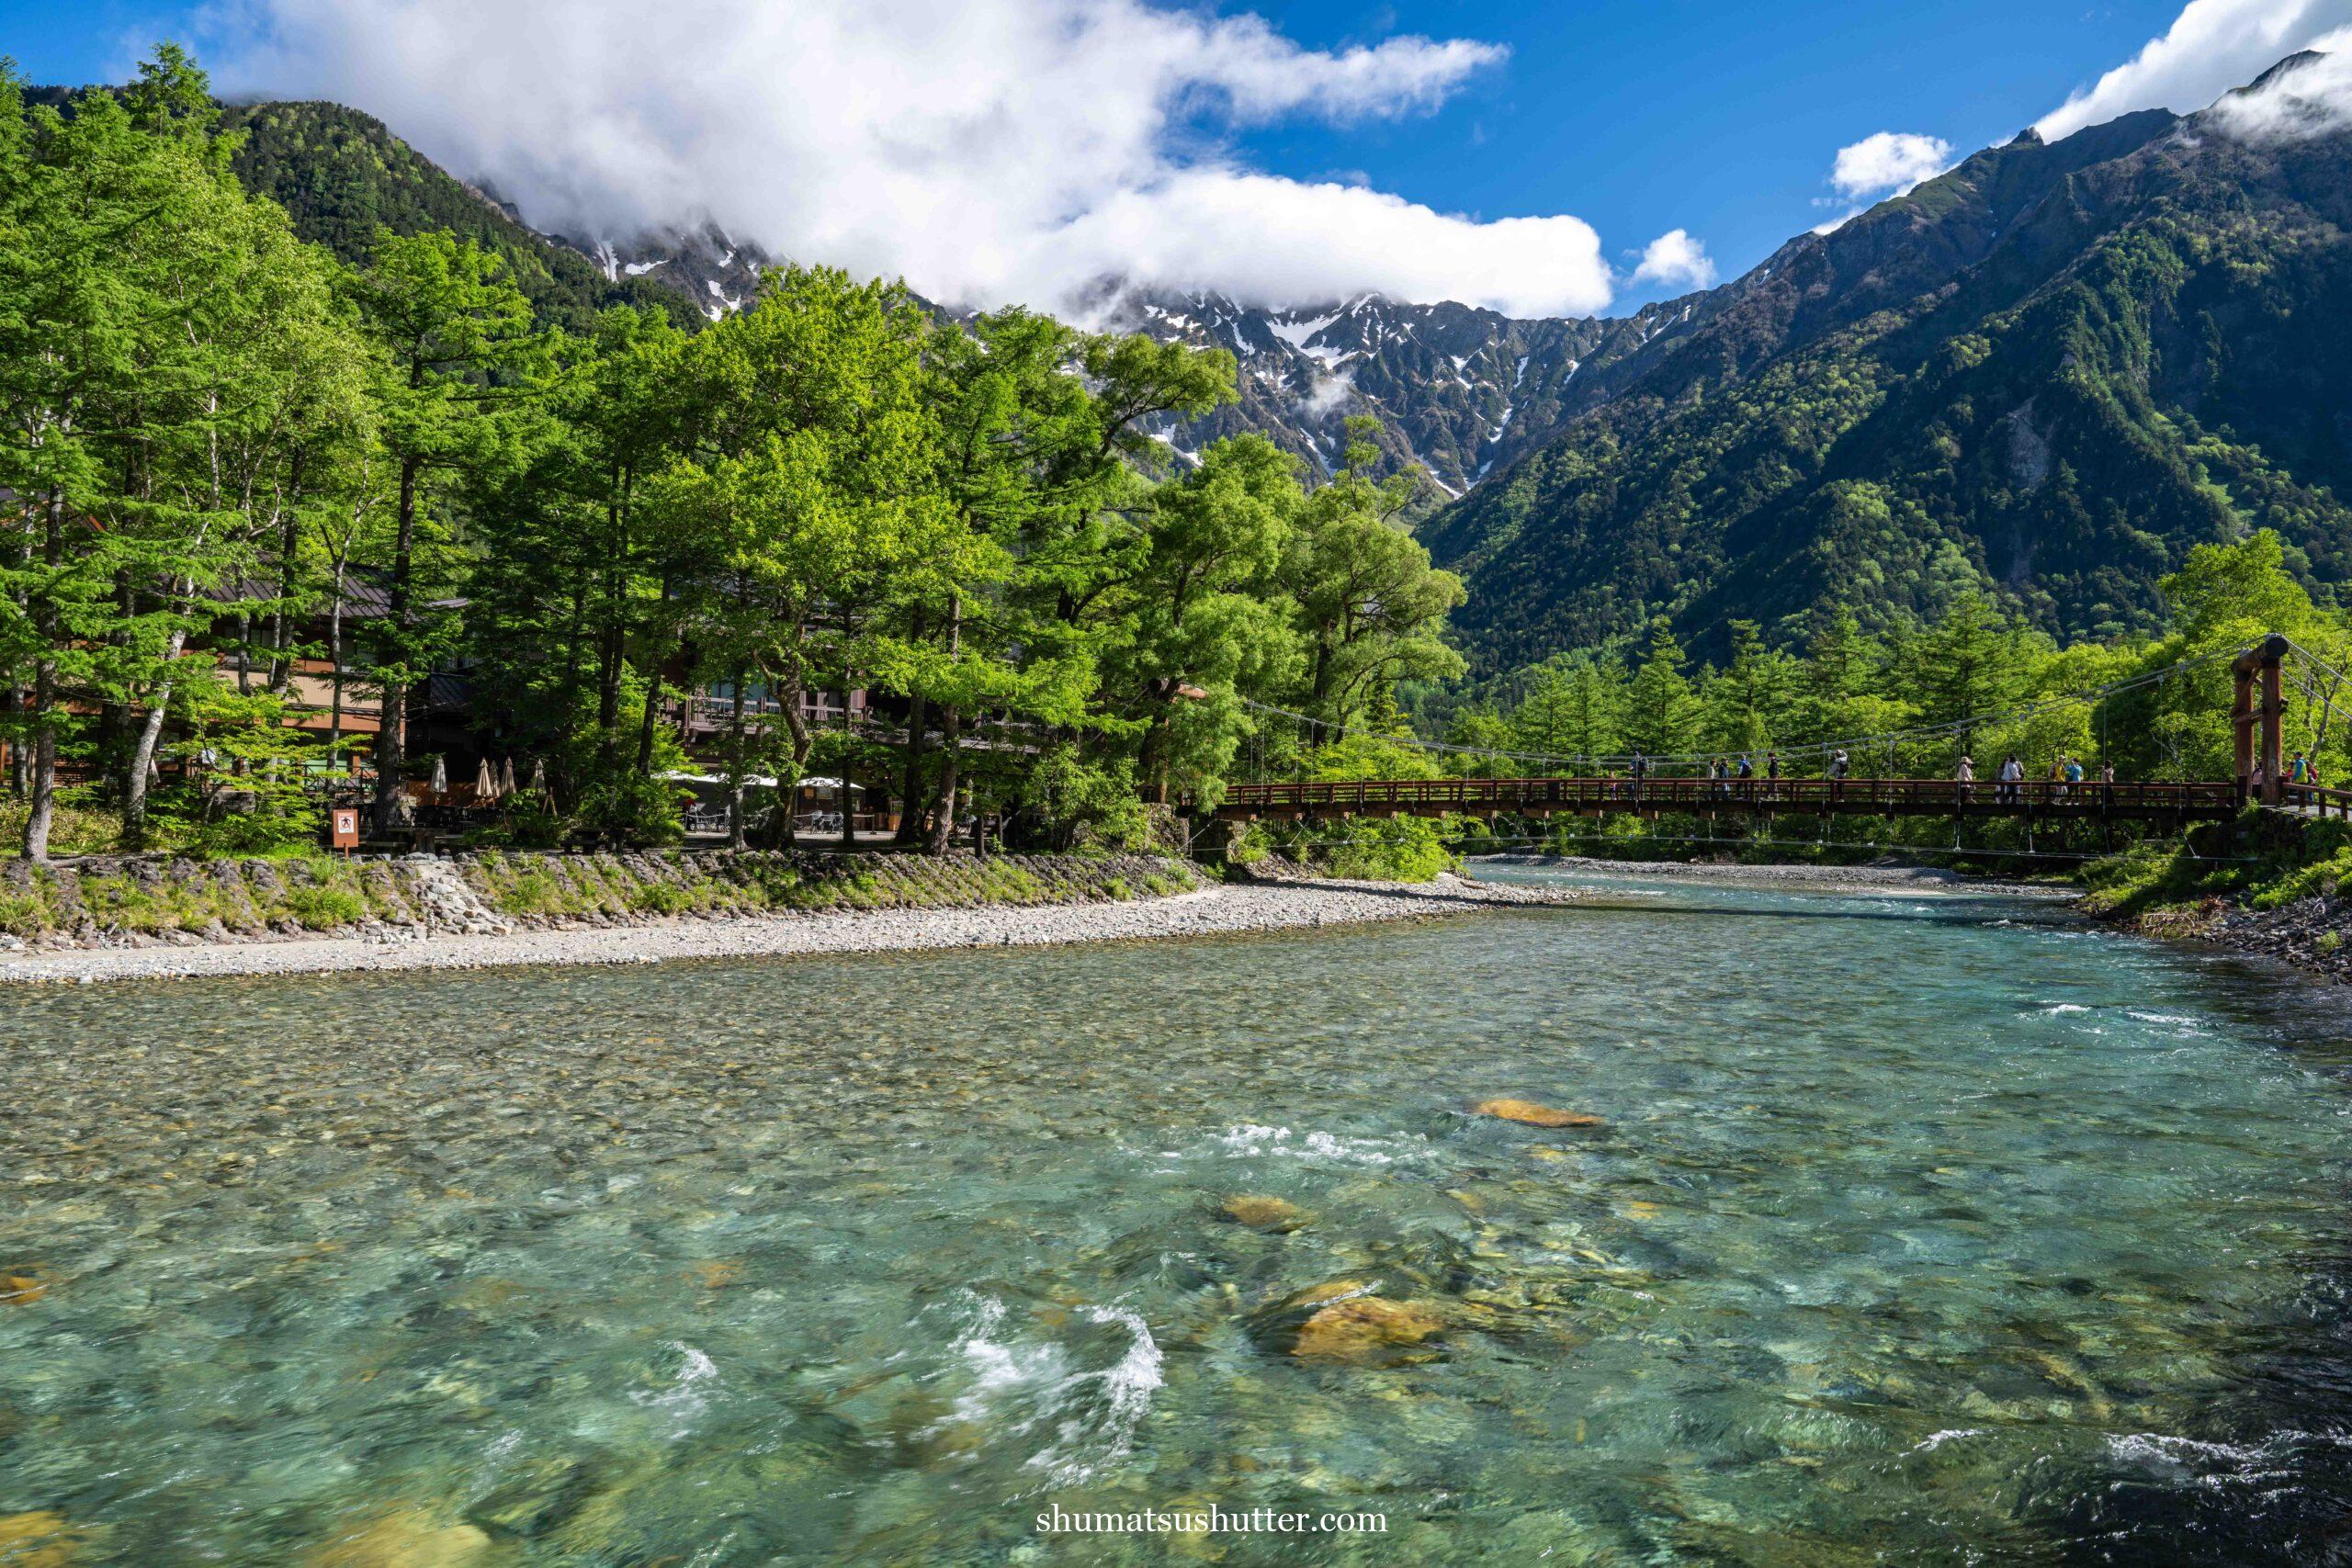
<point>2312,99</point>
<point>2212,47</point>
<point>986,150</point>
<point>1889,163</point>
<point>1675,260</point>
<point>1286,242</point>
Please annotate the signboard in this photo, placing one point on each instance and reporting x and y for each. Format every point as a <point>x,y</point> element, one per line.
<point>346,827</point>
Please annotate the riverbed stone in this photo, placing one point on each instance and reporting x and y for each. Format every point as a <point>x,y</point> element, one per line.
<point>1528,1113</point>
<point>1278,1216</point>
<point>1364,1328</point>
<point>40,1538</point>
<point>408,1539</point>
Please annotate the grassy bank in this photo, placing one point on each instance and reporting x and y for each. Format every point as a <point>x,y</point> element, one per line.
<point>119,899</point>
<point>159,896</point>
<point>720,883</point>
<point>2262,860</point>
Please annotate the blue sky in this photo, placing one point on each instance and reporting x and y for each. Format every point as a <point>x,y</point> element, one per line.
<point>1635,116</point>
<point>1642,116</point>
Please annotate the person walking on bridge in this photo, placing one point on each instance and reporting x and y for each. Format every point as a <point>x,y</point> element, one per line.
<point>2107,784</point>
<point>1965,775</point>
<point>1641,770</point>
<point>2012,775</point>
<point>1839,766</point>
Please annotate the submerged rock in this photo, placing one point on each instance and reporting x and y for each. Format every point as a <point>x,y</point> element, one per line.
<point>1364,1328</point>
<point>1341,1320</point>
<point>38,1539</point>
<point>410,1538</point>
<point>1531,1114</point>
<point>1277,1215</point>
<point>21,1286</point>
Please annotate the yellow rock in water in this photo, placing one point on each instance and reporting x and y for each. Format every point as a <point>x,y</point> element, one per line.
<point>1534,1115</point>
<point>1362,1327</point>
<point>407,1540</point>
<point>21,1289</point>
<point>1260,1213</point>
<point>37,1540</point>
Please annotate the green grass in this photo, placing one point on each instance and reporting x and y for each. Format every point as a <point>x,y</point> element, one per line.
<point>321,892</point>
<point>324,909</point>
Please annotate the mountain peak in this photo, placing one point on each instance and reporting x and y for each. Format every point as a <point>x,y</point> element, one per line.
<point>2287,67</point>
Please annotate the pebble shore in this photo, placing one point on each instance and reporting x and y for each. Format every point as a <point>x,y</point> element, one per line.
<point>1224,909</point>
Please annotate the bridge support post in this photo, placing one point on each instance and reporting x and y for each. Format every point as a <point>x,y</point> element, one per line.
<point>2262,661</point>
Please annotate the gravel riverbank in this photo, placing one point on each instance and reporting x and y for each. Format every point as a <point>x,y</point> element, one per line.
<point>1229,908</point>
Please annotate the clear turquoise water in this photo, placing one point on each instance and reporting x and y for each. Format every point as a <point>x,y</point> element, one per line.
<point>1920,1230</point>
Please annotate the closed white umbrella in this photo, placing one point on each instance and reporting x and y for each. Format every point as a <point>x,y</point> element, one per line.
<point>485,781</point>
<point>506,777</point>
<point>539,774</point>
<point>440,775</point>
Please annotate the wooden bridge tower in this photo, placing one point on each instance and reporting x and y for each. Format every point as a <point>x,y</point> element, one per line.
<point>2262,663</point>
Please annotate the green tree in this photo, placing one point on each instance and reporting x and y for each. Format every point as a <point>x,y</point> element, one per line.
<point>461,343</point>
<point>1661,711</point>
<point>810,485</point>
<point>1370,605</point>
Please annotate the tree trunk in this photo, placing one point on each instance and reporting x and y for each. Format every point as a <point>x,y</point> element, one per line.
<point>392,735</point>
<point>796,725</point>
<point>848,802</point>
<point>735,769</point>
<point>143,752</point>
<point>943,827</point>
<point>645,726</point>
<point>281,619</point>
<point>950,733</point>
<point>44,762</point>
<point>44,779</point>
<point>910,832</point>
<point>652,700</point>
<point>910,829</point>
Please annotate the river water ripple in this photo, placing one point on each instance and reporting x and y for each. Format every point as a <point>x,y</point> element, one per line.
<point>1919,1229</point>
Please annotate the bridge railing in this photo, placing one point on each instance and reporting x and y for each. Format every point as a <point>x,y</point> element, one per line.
<point>1852,796</point>
<point>2317,798</point>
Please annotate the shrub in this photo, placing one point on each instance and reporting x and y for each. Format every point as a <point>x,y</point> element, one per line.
<point>23,915</point>
<point>324,907</point>
<point>663,899</point>
<point>531,893</point>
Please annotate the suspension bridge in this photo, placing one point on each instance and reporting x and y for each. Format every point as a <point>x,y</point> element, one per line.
<point>1632,783</point>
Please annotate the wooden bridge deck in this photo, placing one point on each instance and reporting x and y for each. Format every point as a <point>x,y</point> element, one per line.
<point>1857,798</point>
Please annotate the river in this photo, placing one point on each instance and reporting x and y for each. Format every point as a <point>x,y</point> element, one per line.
<point>1918,1228</point>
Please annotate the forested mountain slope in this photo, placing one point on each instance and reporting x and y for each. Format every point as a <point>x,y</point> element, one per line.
<point>2054,369</point>
<point>341,174</point>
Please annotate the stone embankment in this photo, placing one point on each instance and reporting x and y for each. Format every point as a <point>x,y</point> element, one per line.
<point>1118,910</point>
<point>114,902</point>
